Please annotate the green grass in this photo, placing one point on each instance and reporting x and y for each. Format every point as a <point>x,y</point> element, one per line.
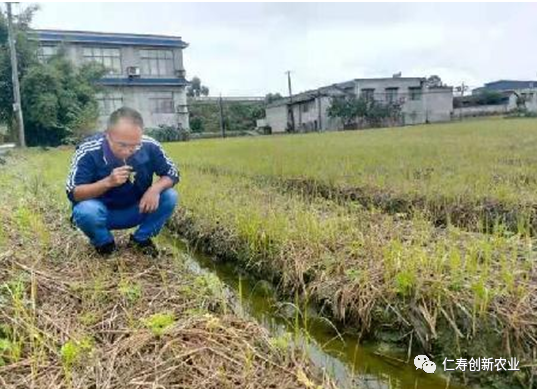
<point>469,173</point>
<point>479,158</point>
<point>457,291</point>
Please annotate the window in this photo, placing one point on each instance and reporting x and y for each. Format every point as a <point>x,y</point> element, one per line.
<point>161,102</point>
<point>108,57</point>
<point>157,62</point>
<point>46,52</point>
<point>368,93</point>
<point>109,103</point>
<point>391,95</point>
<point>414,93</point>
<point>306,107</point>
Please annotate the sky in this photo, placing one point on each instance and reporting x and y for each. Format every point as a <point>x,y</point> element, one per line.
<point>244,49</point>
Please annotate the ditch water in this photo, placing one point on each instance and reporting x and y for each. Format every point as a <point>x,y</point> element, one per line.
<point>352,364</point>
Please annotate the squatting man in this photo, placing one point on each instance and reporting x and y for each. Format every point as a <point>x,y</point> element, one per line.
<point>110,184</point>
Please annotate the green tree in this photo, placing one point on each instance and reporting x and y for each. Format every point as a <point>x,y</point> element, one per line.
<point>59,101</point>
<point>348,109</point>
<point>26,55</point>
<point>372,112</point>
<point>196,89</point>
<point>196,125</point>
<point>272,97</point>
<point>434,81</point>
<point>238,115</point>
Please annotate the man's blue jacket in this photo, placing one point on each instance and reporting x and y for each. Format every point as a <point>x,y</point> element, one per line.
<point>93,160</point>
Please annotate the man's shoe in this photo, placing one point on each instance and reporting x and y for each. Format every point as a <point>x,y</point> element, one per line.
<point>106,249</point>
<point>147,247</point>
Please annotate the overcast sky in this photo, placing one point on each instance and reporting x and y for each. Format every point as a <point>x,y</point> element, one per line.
<point>245,48</point>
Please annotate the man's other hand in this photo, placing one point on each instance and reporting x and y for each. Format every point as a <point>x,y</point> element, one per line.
<point>119,176</point>
<point>149,202</point>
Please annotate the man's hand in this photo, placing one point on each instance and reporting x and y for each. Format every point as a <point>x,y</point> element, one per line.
<point>119,176</point>
<point>150,200</point>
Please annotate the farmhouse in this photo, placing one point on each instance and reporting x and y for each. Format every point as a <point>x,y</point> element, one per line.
<point>307,111</point>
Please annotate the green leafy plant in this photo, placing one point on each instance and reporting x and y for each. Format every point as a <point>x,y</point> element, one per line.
<point>159,323</point>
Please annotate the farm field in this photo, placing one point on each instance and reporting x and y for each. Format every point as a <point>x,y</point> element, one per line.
<point>471,174</point>
<point>420,235</point>
<point>422,238</point>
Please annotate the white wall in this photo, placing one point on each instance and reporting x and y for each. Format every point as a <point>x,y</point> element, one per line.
<point>481,110</point>
<point>138,98</point>
<point>276,118</point>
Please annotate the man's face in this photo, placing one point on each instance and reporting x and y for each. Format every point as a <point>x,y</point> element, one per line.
<point>124,138</point>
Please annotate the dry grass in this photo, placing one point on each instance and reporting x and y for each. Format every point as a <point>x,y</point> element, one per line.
<point>69,319</point>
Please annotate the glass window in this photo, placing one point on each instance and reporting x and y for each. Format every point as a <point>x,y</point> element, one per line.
<point>108,103</point>
<point>46,52</point>
<point>306,107</point>
<point>110,58</point>
<point>391,95</point>
<point>368,93</point>
<point>415,93</point>
<point>156,62</point>
<point>161,102</point>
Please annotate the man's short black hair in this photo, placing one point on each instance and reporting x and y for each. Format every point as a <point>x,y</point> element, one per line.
<point>125,113</point>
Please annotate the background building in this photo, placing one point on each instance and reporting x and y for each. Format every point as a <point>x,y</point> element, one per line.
<point>420,103</point>
<point>145,72</point>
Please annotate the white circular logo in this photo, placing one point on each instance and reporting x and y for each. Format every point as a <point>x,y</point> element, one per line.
<point>423,362</point>
<point>420,360</point>
<point>429,367</point>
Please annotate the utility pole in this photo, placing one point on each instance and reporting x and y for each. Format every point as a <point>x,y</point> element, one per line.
<point>15,77</point>
<point>462,89</point>
<point>291,114</point>
<point>222,124</point>
<point>319,112</point>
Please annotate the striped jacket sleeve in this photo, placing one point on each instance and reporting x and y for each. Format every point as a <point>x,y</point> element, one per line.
<point>82,169</point>
<point>163,164</point>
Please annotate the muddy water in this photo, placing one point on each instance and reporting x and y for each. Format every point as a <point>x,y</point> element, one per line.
<point>352,364</point>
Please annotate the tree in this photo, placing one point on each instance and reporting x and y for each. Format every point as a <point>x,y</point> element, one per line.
<point>196,89</point>
<point>59,101</point>
<point>196,125</point>
<point>238,115</point>
<point>347,108</point>
<point>26,55</point>
<point>434,81</point>
<point>272,97</point>
<point>374,113</point>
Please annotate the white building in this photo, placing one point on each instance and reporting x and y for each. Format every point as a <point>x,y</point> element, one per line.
<point>420,103</point>
<point>498,98</point>
<point>145,72</point>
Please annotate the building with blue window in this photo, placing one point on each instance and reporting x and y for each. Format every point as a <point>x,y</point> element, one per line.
<point>145,72</point>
